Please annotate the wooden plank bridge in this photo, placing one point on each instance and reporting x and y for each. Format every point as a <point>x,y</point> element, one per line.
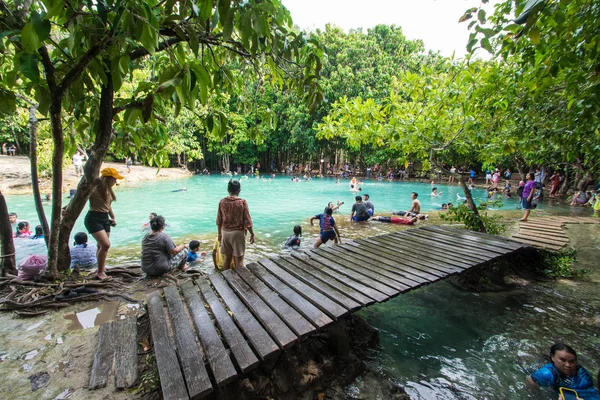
<point>549,232</point>
<point>208,332</point>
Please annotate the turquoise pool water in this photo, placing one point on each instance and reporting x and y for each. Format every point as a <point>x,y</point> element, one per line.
<point>275,205</point>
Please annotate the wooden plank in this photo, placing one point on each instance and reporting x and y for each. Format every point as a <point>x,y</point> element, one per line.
<point>543,246</point>
<point>303,306</point>
<point>444,258</point>
<point>300,325</point>
<point>339,268</point>
<point>398,271</point>
<point>271,321</point>
<point>192,362</point>
<point>407,253</point>
<point>530,231</point>
<point>542,228</point>
<point>319,270</point>
<point>396,276</point>
<point>527,233</point>
<point>328,306</point>
<point>103,357</point>
<point>218,358</point>
<point>462,245</point>
<point>171,379</point>
<point>480,237</point>
<point>493,247</point>
<point>305,271</point>
<point>333,292</point>
<point>541,239</point>
<point>361,273</point>
<point>456,244</point>
<point>260,340</point>
<point>126,353</point>
<point>418,272</point>
<point>240,349</point>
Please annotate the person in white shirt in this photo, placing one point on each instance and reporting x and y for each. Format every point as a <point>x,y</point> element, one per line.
<point>78,163</point>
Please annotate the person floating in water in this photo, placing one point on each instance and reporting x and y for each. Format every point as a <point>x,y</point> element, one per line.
<point>565,375</point>
<point>396,220</point>
<point>294,240</point>
<point>434,192</point>
<point>183,189</point>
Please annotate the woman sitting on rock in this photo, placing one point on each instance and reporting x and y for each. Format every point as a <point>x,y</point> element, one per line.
<point>159,254</point>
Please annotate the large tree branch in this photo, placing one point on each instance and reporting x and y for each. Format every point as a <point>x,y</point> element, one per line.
<point>49,68</point>
<point>128,106</point>
<point>83,62</point>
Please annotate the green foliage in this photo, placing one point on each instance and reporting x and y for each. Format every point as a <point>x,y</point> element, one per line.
<point>558,264</point>
<point>45,147</point>
<point>463,214</point>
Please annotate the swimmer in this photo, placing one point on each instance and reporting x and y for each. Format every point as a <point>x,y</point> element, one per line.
<point>183,189</point>
<point>434,192</point>
<point>460,198</point>
<point>444,207</point>
<point>294,240</point>
<point>335,208</point>
<point>564,372</point>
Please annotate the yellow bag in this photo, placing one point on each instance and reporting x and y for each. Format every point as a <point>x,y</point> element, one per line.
<point>562,396</point>
<point>218,258</point>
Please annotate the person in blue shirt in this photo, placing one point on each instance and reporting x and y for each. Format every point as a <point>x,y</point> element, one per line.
<point>194,248</point>
<point>294,240</point>
<point>564,372</point>
<point>328,229</point>
<point>83,255</point>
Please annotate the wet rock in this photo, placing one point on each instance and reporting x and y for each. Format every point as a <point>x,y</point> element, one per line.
<point>39,380</point>
<point>66,394</point>
<point>515,281</point>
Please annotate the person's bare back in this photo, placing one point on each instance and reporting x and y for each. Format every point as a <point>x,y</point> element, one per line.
<point>416,206</point>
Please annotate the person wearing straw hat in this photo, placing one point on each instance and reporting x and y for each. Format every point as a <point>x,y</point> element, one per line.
<point>100,217</point>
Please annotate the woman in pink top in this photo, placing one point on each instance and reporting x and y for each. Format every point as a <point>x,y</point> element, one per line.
<point>233,221</point>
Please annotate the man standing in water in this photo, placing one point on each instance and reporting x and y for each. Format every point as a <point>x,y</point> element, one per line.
<point>359,211</point>
<point>369,204</point>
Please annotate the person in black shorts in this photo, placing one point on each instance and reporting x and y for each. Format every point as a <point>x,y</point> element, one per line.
<point>100,218</point>
<point>329,230</point>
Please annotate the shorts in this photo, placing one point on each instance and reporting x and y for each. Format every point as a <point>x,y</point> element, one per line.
<point>370,211</point>
<point>526,204</point>
<point>359,219</point>
<point>233,243</point>
<point>327,236</point>
<point>96,221</point>
<point>79,169</point>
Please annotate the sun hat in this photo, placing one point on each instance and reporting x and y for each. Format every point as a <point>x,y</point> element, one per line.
<point>112,173</point>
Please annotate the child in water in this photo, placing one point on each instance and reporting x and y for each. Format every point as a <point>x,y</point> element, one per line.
<point>294,240</point>
<point>83,255</point>
<point>194,248</point>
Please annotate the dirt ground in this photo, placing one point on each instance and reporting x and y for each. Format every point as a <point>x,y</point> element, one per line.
<point>15,175</point>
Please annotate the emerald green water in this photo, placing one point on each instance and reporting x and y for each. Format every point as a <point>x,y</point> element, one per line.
<point>275,205</point>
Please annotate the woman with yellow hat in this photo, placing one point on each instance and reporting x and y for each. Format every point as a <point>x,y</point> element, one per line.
<point>100,217</point>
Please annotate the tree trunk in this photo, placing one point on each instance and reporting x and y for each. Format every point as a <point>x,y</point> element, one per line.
<point>91,170</point>
<point>565,185</point>
<point>34,172</point>
<point>57,174</point>
<point>7,259</point>
<point>585,181</point>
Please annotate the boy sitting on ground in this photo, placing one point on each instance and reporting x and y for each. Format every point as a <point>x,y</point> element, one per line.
<point>193,253</point>
<point>83,255</point>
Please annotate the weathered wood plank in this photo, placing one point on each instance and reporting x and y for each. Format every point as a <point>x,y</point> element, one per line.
<point>534,232</point>
<point>494,247</point>
<point>320,270</point>
<point>542,245</point>
<point>300,325</point>
<point>350,259</point>
<point>245,358</point>
<point>360,273</point>
<point>416,272</point>
<point>126,353</point>
<point>480,237</point>
<point>271,321</point>
<point>328,306</point>
<point>443,257</point>
<point>456,244</point>
<point>541,239</point>
<point>308,273</point>
<point>542,228</point>
<point>171,379</point>
<point>303,306</point>
<point>410,254</point>
<point>528,233</point>
<point>253,331</point>
<point>192,363</point>
<point>218,358</point>
<point>333,292</point>
<point>461,245</point>
<point>103,357</point>
<point>339,268</point>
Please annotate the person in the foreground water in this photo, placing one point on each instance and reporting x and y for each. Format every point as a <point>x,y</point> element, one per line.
<point>569,379</point>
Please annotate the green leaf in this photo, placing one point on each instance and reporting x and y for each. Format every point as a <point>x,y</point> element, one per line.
<point>28,65</point>
<point>481,16</point>
<point>193,40</point>
<point>228,26</point>
<point>485,43</point>
<point>223,7</point>
<point>29,38</point>
<point>149,39</point>
<point>42,96</point>
<point>42,26</point>
<point>8,102</point>
<point>534,35</point>
<point>205,9</point>
<point>260,24</point>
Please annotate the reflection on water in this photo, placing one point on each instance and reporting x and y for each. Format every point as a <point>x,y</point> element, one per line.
<point>94,316</point>
<point>442,343</point>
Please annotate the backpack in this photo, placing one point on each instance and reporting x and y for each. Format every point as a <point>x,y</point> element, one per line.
<point>520,191</point>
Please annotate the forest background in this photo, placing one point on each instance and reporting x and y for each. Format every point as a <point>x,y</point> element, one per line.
<point>224,82</point>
